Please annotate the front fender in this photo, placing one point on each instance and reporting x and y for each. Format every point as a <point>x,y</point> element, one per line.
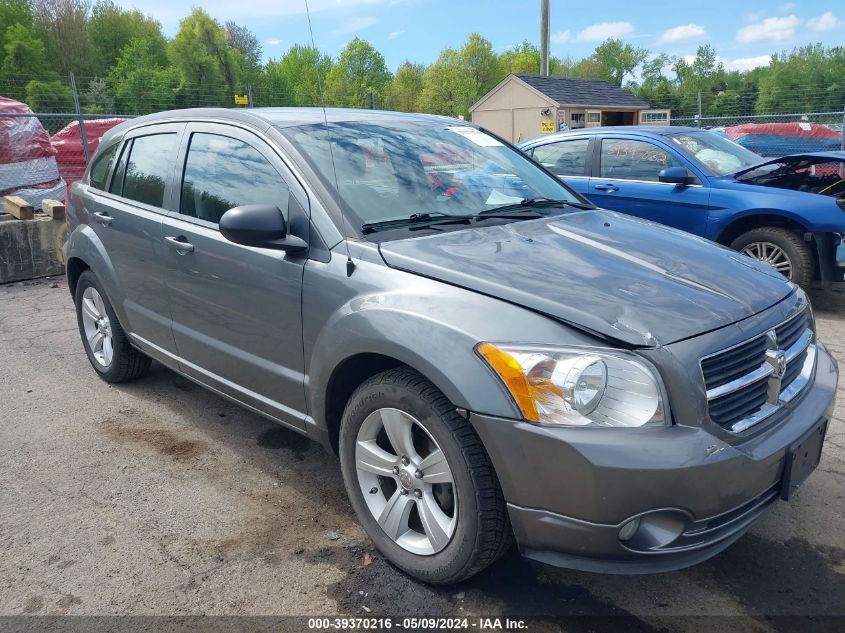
<point>428,325</point>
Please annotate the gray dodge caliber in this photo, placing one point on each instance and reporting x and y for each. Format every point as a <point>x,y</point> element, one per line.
<point>492,357</point>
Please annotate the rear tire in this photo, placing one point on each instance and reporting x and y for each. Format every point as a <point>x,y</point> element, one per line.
<point>476,530</point>
<point>104,340</point>
<point>784,250</point>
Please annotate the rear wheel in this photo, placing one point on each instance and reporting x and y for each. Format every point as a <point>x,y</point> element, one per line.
<point>104,340</point>
<point>782,249</point>
<point>420,480</point>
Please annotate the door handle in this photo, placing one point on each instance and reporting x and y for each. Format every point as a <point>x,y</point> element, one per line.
<point>607,187</point>
<point>180,243</point>
<point>103,218</point>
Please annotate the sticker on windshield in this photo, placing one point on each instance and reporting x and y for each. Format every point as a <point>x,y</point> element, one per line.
<point>476,136</point>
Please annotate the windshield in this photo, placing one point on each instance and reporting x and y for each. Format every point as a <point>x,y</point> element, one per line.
<point>715,153</point>
<point>390,170</point>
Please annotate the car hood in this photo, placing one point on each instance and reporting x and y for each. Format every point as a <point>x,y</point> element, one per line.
<point>631,280</point>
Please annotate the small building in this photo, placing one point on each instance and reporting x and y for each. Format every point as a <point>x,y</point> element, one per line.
<point>524,106</point>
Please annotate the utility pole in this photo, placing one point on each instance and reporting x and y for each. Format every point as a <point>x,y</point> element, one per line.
<point>544,38</point>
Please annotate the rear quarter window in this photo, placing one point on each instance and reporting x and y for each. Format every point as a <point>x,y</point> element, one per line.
<point>102,167</point>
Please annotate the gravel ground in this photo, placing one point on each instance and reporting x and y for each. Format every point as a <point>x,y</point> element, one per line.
<point>159,498</point>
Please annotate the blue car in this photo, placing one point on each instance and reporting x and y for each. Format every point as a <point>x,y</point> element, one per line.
<point>788,212</point>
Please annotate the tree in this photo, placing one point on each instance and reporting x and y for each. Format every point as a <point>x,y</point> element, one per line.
<point>447,88</point>
<point>617,59</point>
<point>97,97</point>
<point>242,40</point>
<point>13,12</point>
<point>808,79</point>
<point>23,59</point>
<point>63,27</point>
<point>481,63</point>
<point>296,78</point>
<point>406,87</point>
<point>48,96</point>
<point>359,79</point>
<point>207,66</point>
<point>140,83</point>
<point>522,58</point>
<point>112,27</point>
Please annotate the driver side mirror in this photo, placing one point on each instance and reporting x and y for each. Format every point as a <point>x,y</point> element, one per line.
<point>674,176</point>
<point>260,225</point>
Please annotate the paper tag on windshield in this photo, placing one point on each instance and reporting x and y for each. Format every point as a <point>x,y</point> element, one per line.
<point>476,136</point>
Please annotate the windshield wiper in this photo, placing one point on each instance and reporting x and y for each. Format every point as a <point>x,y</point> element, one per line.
<point>437,218</point>
<point>415,218</point>
<point>537,202</point>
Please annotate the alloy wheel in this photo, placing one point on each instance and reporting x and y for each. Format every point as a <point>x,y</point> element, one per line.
<point>772,254</point>
<point>95,322</point>
<point>406,481</point>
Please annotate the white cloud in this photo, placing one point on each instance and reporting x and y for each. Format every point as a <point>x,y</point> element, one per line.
<point>353,25</point>
<point>786,7</point>
<point>394,34</point>
<point>561,37</point>
<point>825,22</point>
<point>746,63</point>
<point>769,30</point>
<point>604,30</point>
<point>274,42</point>
<point>683,33</point>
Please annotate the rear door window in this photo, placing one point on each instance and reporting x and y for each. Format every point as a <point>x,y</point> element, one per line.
<point>222,173</point>
<point>627,159</point>
<point>564,158</point>
<point>149,167</point>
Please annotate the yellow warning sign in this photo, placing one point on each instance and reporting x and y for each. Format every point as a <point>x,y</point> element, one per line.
<point>547,126</point>
<point>241,100</point>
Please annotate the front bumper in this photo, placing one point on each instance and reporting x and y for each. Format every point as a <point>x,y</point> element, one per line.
<point>571,490</point>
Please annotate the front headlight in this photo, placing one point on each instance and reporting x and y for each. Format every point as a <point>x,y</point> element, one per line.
<point>578,386</point>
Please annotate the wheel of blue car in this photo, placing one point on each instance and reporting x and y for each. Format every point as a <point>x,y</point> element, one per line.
<point>420,480</point>
<point>781,249</point>
<point>103,338</point>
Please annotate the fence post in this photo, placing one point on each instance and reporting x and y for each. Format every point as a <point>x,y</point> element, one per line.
<point>249,94</point>
<point>82,133</point>
<point>699,108</point>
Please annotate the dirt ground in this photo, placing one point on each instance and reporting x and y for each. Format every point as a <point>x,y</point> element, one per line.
<point>157,497</point>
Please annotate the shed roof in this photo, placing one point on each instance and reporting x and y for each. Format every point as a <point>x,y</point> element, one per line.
<point>567,90</point>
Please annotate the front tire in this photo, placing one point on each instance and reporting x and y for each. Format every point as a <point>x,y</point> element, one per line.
<point>420,480</point>
<point>782,249</point>
<point>104,340</point>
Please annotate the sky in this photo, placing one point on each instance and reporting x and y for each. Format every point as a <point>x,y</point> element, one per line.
<point>744,33</point>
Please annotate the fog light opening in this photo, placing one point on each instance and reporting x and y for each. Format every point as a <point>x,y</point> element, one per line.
<point>629,529</point>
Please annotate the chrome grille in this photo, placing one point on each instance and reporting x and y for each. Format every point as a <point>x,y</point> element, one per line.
<point>748,382</point>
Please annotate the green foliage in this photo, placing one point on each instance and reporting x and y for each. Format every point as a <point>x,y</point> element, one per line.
<point>112,27</point>
<point>97,98</point>
<point>207,63</point>
<point>406,88</point>
<point>447,88</point>
<point>207,67</point>
<point>809,79</point>
<point>139,82</point>
<point>49,96</point>
<point>359,79</point>
<point>13,12</point>
<point>616,60</point>
<point>63,27</point>
<point>296,78</point>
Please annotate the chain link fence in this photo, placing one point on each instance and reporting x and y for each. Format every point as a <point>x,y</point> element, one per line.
<point>777,133</point>
<point>50,126</point>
